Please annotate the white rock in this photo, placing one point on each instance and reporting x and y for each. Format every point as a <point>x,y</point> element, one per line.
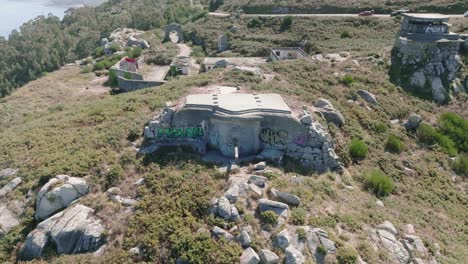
<point>388,226</point>
<point>260,166</point>
<point>73,231</point>
<point>409,229</point>
<point>58,193</point>
<point>8,172</point>
<point>293,256</point>
<point>255,189</point>
<point>268,257</point>
<point>8,220</point>
<point>10,186</point>
<point>249,256</point>
<point>219,232</point>
<point>379,203</point>
<point>283,239</point>
<point>140,182</point>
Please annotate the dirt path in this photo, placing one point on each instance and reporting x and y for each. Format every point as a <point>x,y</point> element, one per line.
<point>184,50</point>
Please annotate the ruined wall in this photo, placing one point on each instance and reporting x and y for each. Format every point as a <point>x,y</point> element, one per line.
<point>126,85</point>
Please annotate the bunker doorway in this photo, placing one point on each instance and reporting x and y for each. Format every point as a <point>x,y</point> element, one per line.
<point>227,134</point>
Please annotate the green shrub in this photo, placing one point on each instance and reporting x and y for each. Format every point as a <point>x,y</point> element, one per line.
<point>86,69</point>
<point>254,23</point>
<point>380,127</point>
<point>99,66</point>
<point>298,216</point>
<point>134,134</point>
<point>428,135</point>
<point>346,255</point>
<point>112,81</point>
<point>345,34</point>
<point>379,183</point>
<point>456,128</point>
<point>394,144</point>
<point>460,165</point>
<point>287,22</point>
<point>98,52</point>
<point>357,149</point>
<point>269,217</point>
<point>348,80</point>
<point>114,48</point>
<point>301,233</point>
<point>114,175</point>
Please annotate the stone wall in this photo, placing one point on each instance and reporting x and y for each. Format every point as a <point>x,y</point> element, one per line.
<point>126,74</point>
<point>126,85</point>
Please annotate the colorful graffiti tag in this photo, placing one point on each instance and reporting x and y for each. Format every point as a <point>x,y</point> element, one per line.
<point>271,137</point>
<point>180,132</point>
<point>301,139</point>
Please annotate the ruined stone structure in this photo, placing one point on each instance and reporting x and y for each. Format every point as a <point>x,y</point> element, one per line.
<point>425,57</point>
<point>182,64</point>
<point>222,43</point>
<point>211,63</point>
<point>293,53</point>
<point>173,27</point>
<point>247,124</point>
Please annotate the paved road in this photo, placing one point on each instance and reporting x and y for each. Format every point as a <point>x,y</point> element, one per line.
<point>308,15</point>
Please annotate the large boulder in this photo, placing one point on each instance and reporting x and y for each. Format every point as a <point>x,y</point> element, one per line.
<point>333,116</point>
<point>249,256</point>
<point>268,257</point>
<point>75,230</point>
<point>8,172</point>
<point>293,256</point>
<point>367,96</point>
<point>244,239</point>
<point>439,94</point>
<point>10,186</point>
<point>285,197</point>
<point>280,209</point>
<point>57,194</point>
<point>413,122</point>
<point>387,233</point>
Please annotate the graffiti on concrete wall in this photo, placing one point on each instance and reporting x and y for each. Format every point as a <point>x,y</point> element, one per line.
<point>301,139</point>
<point>435,29</point>
<point>272,137</point>
<point>180,132</point>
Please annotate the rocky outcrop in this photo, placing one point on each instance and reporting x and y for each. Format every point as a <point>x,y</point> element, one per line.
<point>8,172</point>
<point>223,208</point>
<point>368,97</point>
<point>10,186</point>
<point>293,256</point>
<point>75,230</point>
<point>249,256</point>
<point>57,194</point>
<point>268,257</point>
<point>325,108</point>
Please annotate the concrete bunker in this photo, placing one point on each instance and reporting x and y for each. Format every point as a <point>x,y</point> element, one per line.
<point>173,27</point>
<point>252,125</point>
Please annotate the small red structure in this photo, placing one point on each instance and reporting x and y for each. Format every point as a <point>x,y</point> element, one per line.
<point>129,64</point>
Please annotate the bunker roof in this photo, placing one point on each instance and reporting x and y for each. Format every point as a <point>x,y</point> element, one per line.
<point>427,17</point>
<point>239,103</point>
<point>235,60</point>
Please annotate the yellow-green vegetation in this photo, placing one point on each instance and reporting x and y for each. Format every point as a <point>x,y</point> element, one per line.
<point>346,255</point>
<point>358,149</point>
<point>340,6</point>
<point>269,217</point>
<point>394,144</point>
<point>379,183</point>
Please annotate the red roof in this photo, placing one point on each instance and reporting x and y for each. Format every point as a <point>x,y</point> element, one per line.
<point>127,59</point>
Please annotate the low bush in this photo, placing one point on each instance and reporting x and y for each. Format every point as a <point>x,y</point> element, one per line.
<point>287,22</point>
<point>460,165</point>
<point>269,217</point>
<point>345,34</point>
<point>346,255</point>
<point>86,69</point>
<point>394,144</point>
<point>456,128</point>
<point>298,216</point>
<point>429,135</point>
<point>99,66</point>
<point>348,80</point>
<point>357,149</point>
<point>380,127</point>
<point>98,52</point>
<point>379,183</point>
<point>114,175</point>
<point>301,233</point>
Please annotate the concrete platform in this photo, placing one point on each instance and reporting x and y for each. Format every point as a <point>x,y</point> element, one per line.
<point>239,103</point>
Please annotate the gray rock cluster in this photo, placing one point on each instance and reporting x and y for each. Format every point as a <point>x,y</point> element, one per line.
<point>8,172</point>
<point>58,193</point>
<point>223,208</point>
<point>325,108</point>
<point>124,37</point>
<point>368,97</point>
<point>8,218</point>
<point>72,231</point>
<point>409,249</point>
<point>10,186</point>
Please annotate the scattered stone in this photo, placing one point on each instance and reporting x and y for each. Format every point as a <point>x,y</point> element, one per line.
<point>136,251</point>
<point>140,182</point>
<point>330,246</point>
<point>228,168</point>
<point>8,220</point>
<point>280,209</point>
<point>127,202</point>
<point>285,197</point>
<point>219,232</point>
<point>244,239</point>
<point>268,257</point>
<point>72,231</point>
<point>307,120</point>
<point>409,229</point>
<point>260,166</point>
<point>114,191</point>
<point>379,203</point>
<point>293,256</point>
<point>368,96</point>
<point>226,210</point>
<point>349,188</point>
<point>283,239</point>
<point>323,103</point>
<point>249,256</point>
<point>10,186</point>
<point>232,194</point>
<point>413,122</point>
<point>8,172</point>
<point>258,180</point>
<point>256,189</point>
<point>58,193</point>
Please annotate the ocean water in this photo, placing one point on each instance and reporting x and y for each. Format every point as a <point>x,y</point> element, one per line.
<point>13,13</point>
